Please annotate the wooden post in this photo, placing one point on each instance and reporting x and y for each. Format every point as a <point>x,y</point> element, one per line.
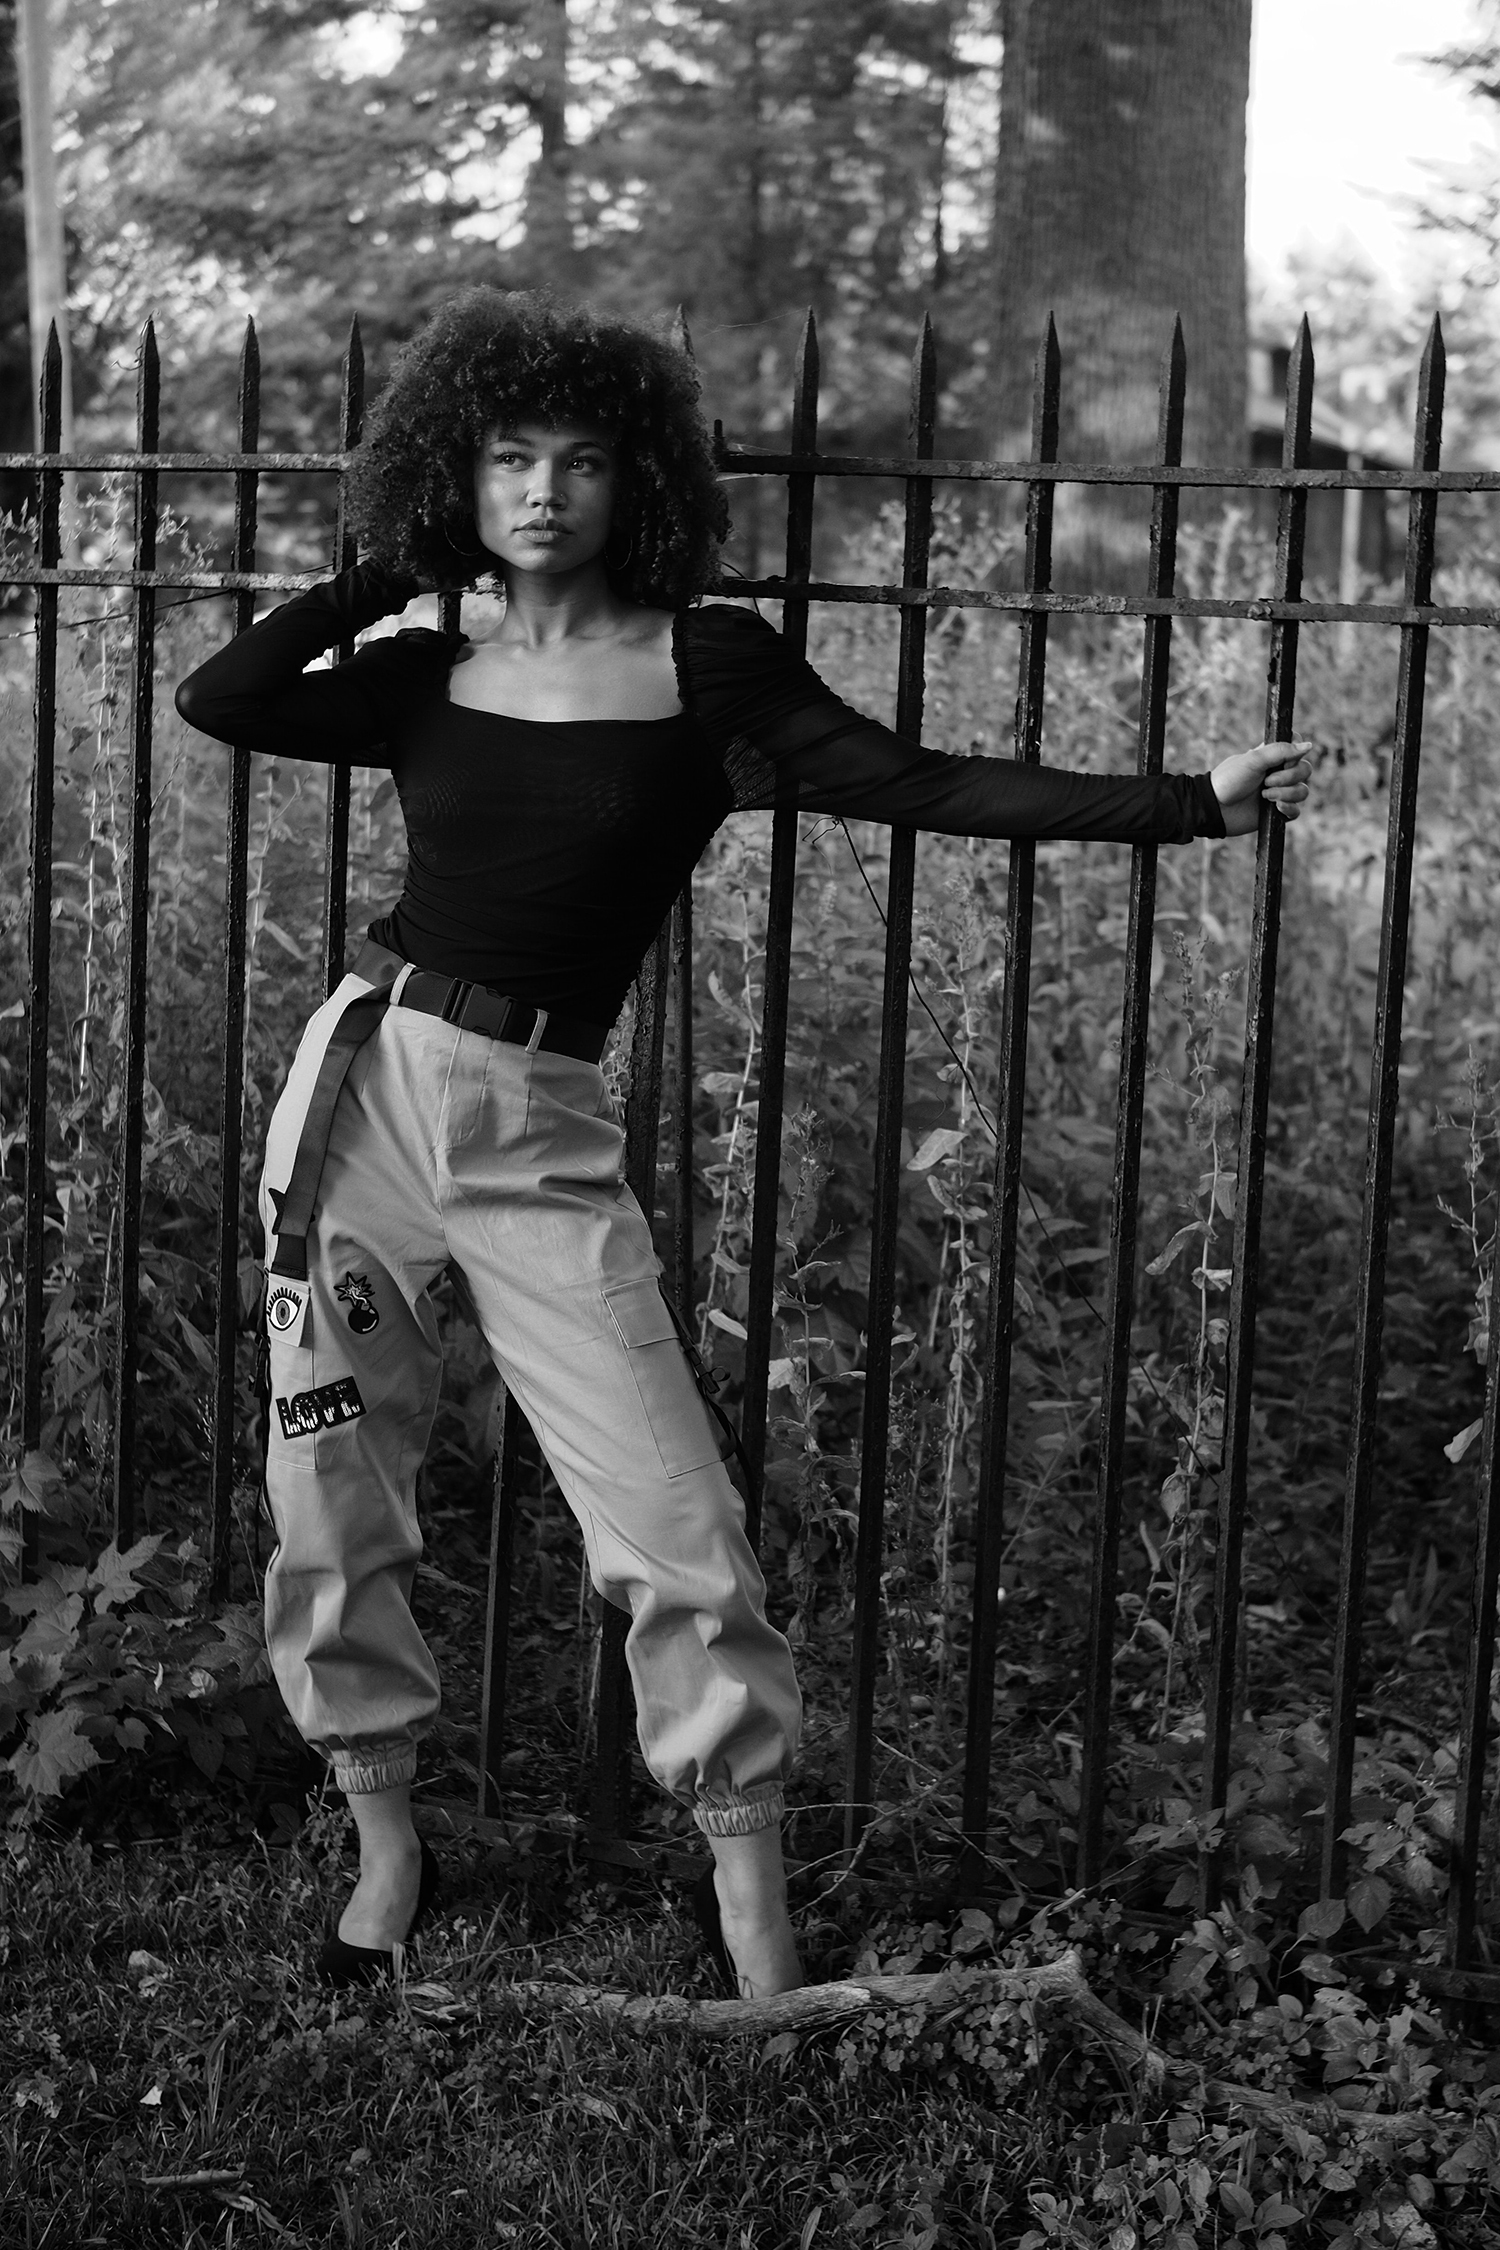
<point>45,267</point>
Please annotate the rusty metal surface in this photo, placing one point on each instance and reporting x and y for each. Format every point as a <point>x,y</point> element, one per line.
<point>1119,1295</point>
<point>1288,477</point>
<point>770,1087</point>
<point>232,1079</point>
<point>1255,1097</point>
<point>39,939</point>
<point>1385,1094</point>
<point>681,1267</point>
<point>336,830</point>
<point>1010,1109</point>
<point>137,938</point>
<point>869,1555</point>
<point>1474,1728</point>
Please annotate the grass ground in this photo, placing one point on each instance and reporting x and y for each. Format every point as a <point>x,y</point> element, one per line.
<point>177,2079</point>
<point>166,2027</point>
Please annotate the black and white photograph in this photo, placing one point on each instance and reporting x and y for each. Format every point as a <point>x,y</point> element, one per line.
<point>749,1124</point>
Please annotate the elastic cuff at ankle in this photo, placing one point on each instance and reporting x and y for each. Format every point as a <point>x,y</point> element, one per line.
<point>740,1816</point>
<point>361,1777</point>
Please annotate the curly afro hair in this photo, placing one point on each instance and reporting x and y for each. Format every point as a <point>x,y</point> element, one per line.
<point>493,356</point>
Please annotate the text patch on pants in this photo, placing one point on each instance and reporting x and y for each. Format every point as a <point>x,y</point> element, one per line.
<point>320,1409</point>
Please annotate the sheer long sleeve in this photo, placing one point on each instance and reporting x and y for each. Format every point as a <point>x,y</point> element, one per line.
<point>768,713</point>
<point>256,693</point>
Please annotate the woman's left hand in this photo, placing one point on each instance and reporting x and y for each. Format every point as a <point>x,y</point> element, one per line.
<point>1276,772</point>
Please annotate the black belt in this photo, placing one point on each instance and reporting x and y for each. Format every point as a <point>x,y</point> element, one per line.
<point>469,1007</point>
<point>478,1007</point>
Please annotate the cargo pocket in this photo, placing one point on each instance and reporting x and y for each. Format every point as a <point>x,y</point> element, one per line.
<point>685,1435</point>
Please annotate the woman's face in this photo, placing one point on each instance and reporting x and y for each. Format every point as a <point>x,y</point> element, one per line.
<point>544,497</point>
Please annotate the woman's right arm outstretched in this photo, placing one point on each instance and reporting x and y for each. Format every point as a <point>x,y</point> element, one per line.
<point>255,693</point>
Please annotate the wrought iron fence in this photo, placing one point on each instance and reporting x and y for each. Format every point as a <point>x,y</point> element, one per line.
<point>667,974</point>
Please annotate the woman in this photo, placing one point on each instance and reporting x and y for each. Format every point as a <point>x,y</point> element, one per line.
<point>559,782</point>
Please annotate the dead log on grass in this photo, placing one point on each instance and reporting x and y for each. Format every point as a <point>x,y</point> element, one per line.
<point>1058,1984</point>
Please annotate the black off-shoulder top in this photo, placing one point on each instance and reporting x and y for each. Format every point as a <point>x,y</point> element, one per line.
<point>544,855</point>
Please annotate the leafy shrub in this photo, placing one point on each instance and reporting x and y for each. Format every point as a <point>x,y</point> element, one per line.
<point>1310,1241</point>
<point>117,1660</point>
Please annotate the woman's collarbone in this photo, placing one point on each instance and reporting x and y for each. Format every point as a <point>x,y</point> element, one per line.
<point>621,682</point>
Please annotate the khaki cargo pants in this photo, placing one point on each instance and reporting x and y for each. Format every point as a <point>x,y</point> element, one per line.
<point>447,1145</point>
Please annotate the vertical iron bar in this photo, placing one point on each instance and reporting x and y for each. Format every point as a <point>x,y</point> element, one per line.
<point>1463,1877</point>
<point>1385,1091</point>
<point>1124,1211</point>
<point>643,1095</point>
<point>232,1089</point>
<point>989,1501</point>
<point>39,929</point>
<point>771,1089</point>
<point>682,1200</point>
<point>336,850</point>
<point>143,654</point>
<point>875,1424</point>
<point>1255,1094</point>
<point>615,1730</point>
<point>497,1612</point>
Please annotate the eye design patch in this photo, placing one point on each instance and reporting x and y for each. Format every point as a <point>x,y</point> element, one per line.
<point>286,1309</point>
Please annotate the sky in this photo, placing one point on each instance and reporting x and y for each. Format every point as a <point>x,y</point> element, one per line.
<point>1345,119</point>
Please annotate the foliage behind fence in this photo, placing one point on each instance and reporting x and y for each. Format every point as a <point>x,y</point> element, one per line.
<point>809,1307</point>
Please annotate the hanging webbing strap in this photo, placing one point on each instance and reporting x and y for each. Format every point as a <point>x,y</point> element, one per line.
<point>294,1206</point>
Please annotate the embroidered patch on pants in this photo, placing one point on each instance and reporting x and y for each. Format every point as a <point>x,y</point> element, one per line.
<point>355,1292</point>
<point>286,1308</point>
<point>321,1409</point>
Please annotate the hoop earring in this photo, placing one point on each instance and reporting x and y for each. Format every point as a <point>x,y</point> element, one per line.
<point>624,561</point>
<point>469,553</point>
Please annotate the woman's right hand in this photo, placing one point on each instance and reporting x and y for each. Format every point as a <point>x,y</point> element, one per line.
<point>1276,773</point>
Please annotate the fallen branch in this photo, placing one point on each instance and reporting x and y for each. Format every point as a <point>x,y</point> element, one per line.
<point>193,2180</point>
<point>1060,1983</point>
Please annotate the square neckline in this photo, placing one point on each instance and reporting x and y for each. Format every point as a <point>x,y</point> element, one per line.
<point>516,719</point>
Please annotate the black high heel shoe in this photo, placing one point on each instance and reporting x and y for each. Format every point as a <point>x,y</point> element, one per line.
<point>705,1904</point>
<point>343,1965</point>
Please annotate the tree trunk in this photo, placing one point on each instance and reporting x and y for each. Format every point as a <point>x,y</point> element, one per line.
<point>542,76</point>
<point>1119,202</point>
<point>17,392</point>
<point>46,262</point>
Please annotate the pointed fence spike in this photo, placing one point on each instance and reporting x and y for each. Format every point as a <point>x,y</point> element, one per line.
<point>1432,375</point>
<point>1046,395</point>
<point>249,390</point>
<point>924,389</point>
<point>352,405</point>
<point>808,356</point>
<point>49,419</point>
<point>1301,369</point>
<point>1172,397</point>
<point>148,388</point>
<point>1426,453</point>
<point>805,387</point>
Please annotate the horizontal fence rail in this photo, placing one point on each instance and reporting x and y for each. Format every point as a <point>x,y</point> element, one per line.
<point>660,1078</point>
